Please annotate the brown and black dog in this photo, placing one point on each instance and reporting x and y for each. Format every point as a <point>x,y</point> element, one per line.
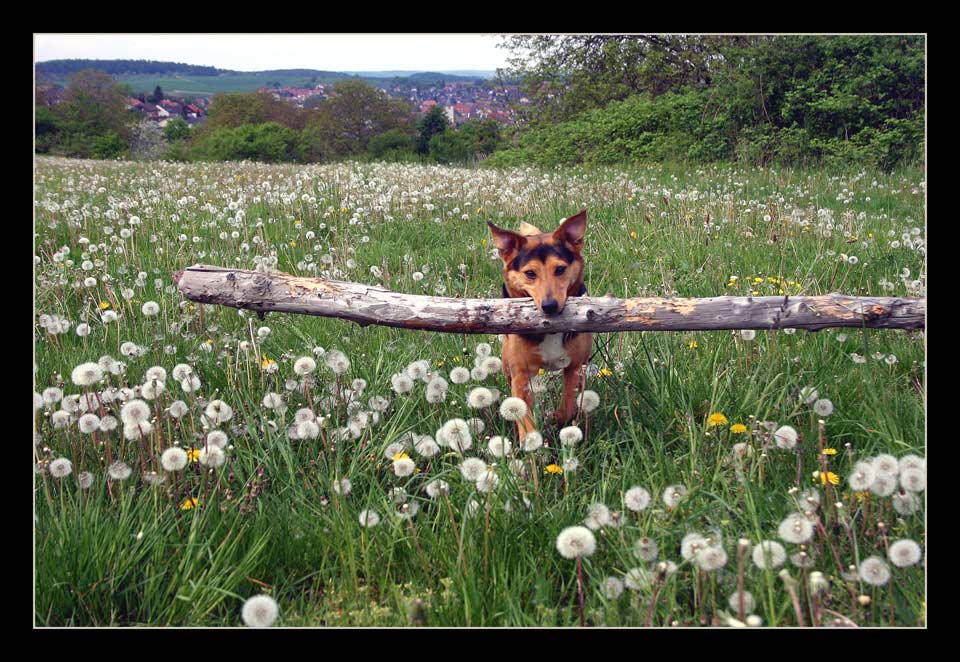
<point>548,267</point>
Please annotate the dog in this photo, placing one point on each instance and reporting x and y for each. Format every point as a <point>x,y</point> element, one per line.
<point>547,266</point>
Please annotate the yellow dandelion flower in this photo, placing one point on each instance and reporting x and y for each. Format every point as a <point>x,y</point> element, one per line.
<point>456,359</point>
<point>540,371</point>
<point>692,344</point>
<point>716,419</point>
<point>633,234</point>
<point>104,305</point>
<point>605,372</point>
<point>266,362</point>
<point>293,244</point>
<point>400,456</point>
<point>483,242</point>
<point>193,454</point>
<point>189,504</point>
<point>829,477</point>
<point>553,469</point>
<point>755,293</point>
<point>829,451</point>
<point>757,280</point>
<point>738,428</point>
<point>439,364</point>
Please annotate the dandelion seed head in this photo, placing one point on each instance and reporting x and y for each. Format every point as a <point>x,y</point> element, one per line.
<point>570,435</point>
<point>874,571</point>
<point>532,441</point>
<point>87,374</point>
<point>904,553</point>
<point>588,401</point>
<point>785,437</point>
<point>513,409</point>
<point>646,549</point>
<point>60,468</point>
<point>796,528</point>
<point>260,611</point>
<point>173,459</point>
<point>576,541</point>
<point>636,498</point>
<point>769,554</point>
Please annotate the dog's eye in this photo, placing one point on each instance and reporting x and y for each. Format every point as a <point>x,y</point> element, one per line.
<point>560,270</point>
<point>530,274</point>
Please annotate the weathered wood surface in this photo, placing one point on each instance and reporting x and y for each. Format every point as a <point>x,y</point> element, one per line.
<point>365,304</point>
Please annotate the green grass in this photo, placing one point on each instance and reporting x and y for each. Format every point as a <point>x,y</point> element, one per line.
<point>269,520</point>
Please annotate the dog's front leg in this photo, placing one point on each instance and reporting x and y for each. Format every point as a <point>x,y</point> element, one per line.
<point>520,388</point>
<point>572,376</point>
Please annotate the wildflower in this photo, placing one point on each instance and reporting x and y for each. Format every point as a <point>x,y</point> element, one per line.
<point>738,428</point>
<point>808,395</point>
<point>827,477</point>
<point>588,400</point>
<point>150,308</point>
<point>904,553</point>
<point>499,446</point>
<point>874,571</point>
<point>473,468</point>
<point>488,481</point>
<point>637,579</point>
<point>612,588</point>
<point>85,479</point>
<point>189,503</point>
<point>459,375</point>
<point>406,511</point>
<point>862,476</point>
<point>532,441</point>
<point>173,459</point>
<point>218,411</point>
<point>193,454</point>
<point>636,499</point>
<point>673,494</point>
<point>513,409</point>
<point>369,518</point>
<point>605,372</point>
<point>267,364</point>
<point>748,334</point>
<point>886,464</point>
<point>87,374</point>
<point>912,462</point>
<point>692,344</point>
<point>905,503</point>
<point>60,468</point>
<point>343,487</point>
<point>480,398</point>
<point>571,464</point>
<point>403,466</point>
<point>553,469</point>
<point>491,365</point>
<point>645,549</point>
<point>134,412</point>
<point>570,435</point>
<point>785,437</point>
<point>418,370</point>
<point>716,419</point>
<point>829,451</point>
<point>437,487</point>
<point>89,423</point>
<point>304,365</point>
<point>883,484</point>
<point>260,611</point>
<point>745,597</point>
<point>178,408</point>
<point>691,544</point>
<point>913,479</point>
<point>769,554</point>
<point>401,383</point>
<point>823,407</point>
<point>576,541</point>
<point>598,516</point>
<point>212,456</point>
<point>426,446</point>
<point>796,528</point>
<point>456,434</point>
<point>337,361</point>
<point>710,558</point>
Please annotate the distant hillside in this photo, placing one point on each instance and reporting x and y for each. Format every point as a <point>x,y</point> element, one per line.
<point>58,68</point>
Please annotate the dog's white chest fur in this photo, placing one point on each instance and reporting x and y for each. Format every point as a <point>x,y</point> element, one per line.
<point>552,354</point>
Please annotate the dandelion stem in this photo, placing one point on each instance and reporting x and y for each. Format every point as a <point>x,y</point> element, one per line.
<point>580,590</point>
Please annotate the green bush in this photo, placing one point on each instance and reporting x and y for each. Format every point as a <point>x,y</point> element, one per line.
<point>268,142</point>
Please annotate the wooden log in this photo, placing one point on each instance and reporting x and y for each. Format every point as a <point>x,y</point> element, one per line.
<point>365,304</point>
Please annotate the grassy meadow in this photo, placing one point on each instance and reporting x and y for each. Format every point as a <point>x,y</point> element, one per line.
<point>315,461</point>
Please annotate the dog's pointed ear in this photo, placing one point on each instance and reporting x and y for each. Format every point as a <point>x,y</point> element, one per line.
<point>507,242</point>
<point>572,230</point>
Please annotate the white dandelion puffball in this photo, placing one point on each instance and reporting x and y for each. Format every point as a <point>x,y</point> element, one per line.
<point>150,308</point>
<point>886,464</point>
<point>483,350</point>
<point>473,468</point>
<point>570,435</point>
<point>598,516</point>
<point>135,411</point>
<point>748,334</point>
<point>85,479</point>
<point>491,365</point>
<point>119,471</point>
<point>401,383</point>
<point>808,395</point>
<point>260,611</point>
<point>173,459</point>
<point>418,370</point>
<point>89,423</point>
<point>304,365</point>
<point>576,541</point>
<point>532,441</point>
<point>673,495</point>
<point>912,462</point>
<point>862,476</point>
<point>823,407</point>
<point>785,437</point>
<point>403,467</point>
<point>796,528</point>
<point>337,361</point>
<point>480,398</point>
<point>637,579</point>
<point>343,487</point>
<point>636,499</point>
<point>913,479</point>
<point>905,503</point>
<point>588,400</point>
<point>735,600</point>
<point>456,434</point>
<point>874,571</point>
<point>178,408</point>
<point>369,518</point>
<point>218,411</point>
<point>904,553</point>
<point>437,487</point>
<point>499,446</point>
<point>60,468</point>
<point>646,549</point>
<point>710,558</point>
<point>459,375</point>
<point>217,438</point>
<point>488,481</point>
<point>612,588</point>
<point>425,446</point>
<point>212,457</point>
<point>513,409</point>
<point>87,374</point>
<point>769,554</point>
<point>691,544</point>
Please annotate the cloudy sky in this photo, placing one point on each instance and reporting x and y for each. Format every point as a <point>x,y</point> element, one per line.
<point>259,52</point>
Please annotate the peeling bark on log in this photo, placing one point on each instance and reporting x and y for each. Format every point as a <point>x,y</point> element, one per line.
<point>365,304</point>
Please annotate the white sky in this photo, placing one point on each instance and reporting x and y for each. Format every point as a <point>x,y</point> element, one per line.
<point>259,52</point>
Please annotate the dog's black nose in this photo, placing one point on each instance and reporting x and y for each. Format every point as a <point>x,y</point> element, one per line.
<point>550,306</point>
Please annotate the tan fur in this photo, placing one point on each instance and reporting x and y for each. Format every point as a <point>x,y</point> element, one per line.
<point>522,358</point>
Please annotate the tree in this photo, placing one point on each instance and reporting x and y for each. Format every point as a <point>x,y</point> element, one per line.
<point>47,126</point>
<point>431,124</point>
<point>94,117</point>
<point>176,129</point>
<point>157,95</point>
